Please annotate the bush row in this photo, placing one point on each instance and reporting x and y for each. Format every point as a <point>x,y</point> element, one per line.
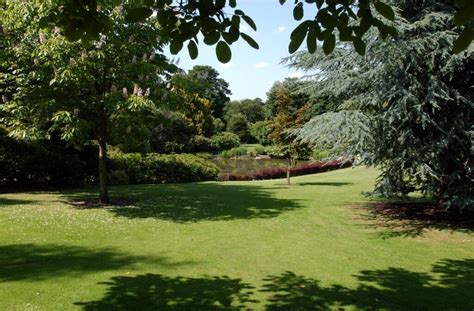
<point>280,172</point>
<point>45,164</point>
<point>218,142</point>
<point>135,168</point>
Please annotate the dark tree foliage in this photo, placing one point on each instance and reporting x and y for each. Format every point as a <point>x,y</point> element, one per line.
<point>252,109</point>
<point>182,21</point>
<point>211,87</point>
<point>239,125</point>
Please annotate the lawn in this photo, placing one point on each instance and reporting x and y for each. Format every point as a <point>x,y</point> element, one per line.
<point>257,245</point>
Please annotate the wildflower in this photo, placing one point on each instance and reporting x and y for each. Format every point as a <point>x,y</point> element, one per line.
<point>42,38</point>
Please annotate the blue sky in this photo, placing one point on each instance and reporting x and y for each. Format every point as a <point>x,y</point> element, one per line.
<point>252,72</point>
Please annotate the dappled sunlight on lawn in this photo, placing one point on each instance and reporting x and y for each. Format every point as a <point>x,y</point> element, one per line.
<point>197,202</point>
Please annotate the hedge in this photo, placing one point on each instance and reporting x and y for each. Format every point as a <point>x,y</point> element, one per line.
<point>25,164</point>
<point>135,168</point>
<point>280,172</point>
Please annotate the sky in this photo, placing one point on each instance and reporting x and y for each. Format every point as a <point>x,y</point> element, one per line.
<point>252,72</point>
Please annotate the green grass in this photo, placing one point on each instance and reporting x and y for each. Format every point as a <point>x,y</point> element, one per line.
<point>258,245</point>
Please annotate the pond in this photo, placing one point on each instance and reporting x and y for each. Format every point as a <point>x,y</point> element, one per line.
<point>249,164</point>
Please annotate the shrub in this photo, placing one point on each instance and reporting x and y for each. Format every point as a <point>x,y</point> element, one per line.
<point>319,155</point>
<point>44,164</point>
<point>280,172</point>
<point>225,141</point>
<point>156,168</point>
<point>234,152</point>
<point>201,144</point>
<point>261,150</point>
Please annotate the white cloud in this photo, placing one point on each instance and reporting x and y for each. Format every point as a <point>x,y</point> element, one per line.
<point>281,29</point>
<point>262,65</point>
<point>297,74</point>
<point>227,65</point>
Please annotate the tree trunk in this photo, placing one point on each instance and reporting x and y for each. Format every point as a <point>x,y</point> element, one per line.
<point>288,172</point>
<point>102,139</point>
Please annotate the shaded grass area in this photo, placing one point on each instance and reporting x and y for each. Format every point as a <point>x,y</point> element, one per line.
<point>230,246</point>
<point>448,287</point>
<point>196,202</point>
<point>412,219</point>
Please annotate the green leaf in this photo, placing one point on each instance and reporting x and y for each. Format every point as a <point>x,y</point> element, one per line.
<point>176,46</point>
<point>282,2</point>
<point>359,46</point>
<point>223,52</point>
<point>249,40</point>
<point>193,49</point>
<point>138,14</point>
<point>148,2</point>
<point>235,20</point>
<point>249,21</point>
<point>464,15</point>
<point>463,41</point>
<point>297,39</point>
<point>311,41</point>
<point>232,3</point>
<point>298,12</point>
<point>329,44</point>
<point>211,38</point>
<point>385,10</point>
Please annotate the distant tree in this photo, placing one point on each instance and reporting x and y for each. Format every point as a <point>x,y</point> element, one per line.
<point>239,125</point>
<point>218,125</point>
<point>284,121</point>
<point>252,109</point>
<point>172,134</point>
<point>297,97</point>
<point>260,131</point>
<point>211,87</point>
<point>53,85</point>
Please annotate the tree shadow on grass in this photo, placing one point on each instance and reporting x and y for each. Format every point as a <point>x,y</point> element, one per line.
<point>330,184</point>
<point>449,286</point>
<point>38,262</point>
<point>197,202</point>
<point>9,202</point>
<point>412,219</point>
<point>158,292</point>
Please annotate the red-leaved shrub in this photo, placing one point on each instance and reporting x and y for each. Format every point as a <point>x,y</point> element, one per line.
<point>280,172</point>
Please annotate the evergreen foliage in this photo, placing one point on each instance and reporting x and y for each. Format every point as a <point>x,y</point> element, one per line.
<point>406,106</point>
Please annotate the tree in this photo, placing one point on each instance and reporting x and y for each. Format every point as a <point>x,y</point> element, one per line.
<point>239,125</point>
<point>252,109</point>
<point>293,87</point>
<point>260,131</point>
<point>406,107</point>
<point>211,87</point>
<point>81,93</point>
<point>285,120</point>
<point>181,22</point>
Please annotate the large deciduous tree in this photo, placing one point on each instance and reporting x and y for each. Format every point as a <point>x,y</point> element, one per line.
<point>52,85</point>
<point>407,107</point>
<point>211,87</point>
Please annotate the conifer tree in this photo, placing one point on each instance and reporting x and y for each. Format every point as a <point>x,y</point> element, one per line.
<point>406,106</point>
